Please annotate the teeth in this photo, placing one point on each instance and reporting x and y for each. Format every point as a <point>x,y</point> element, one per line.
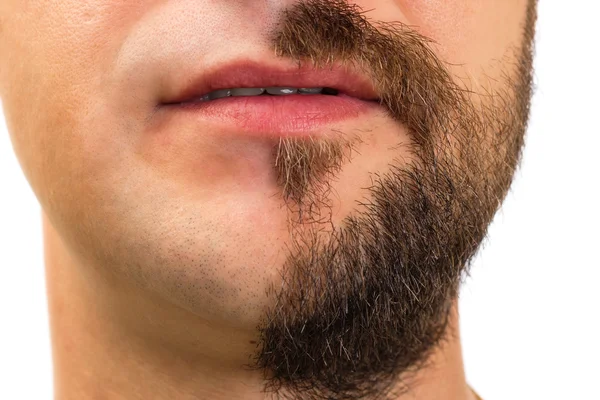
<point>275,91</point>
<point>247,92</point>
<point>219,94</point>
<point>315,90</point>
<point>278,91</point>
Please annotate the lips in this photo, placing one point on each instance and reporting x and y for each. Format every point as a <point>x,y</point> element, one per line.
<point>260,99</point>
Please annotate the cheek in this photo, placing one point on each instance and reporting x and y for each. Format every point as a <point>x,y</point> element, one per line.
<point>52,52</point>
<point>472,32</point>
<point>478,39</point>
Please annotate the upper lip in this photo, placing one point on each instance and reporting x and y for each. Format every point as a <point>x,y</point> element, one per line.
<point>248,74</point>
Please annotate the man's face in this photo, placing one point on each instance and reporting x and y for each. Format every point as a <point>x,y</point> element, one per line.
<point>357,211</point>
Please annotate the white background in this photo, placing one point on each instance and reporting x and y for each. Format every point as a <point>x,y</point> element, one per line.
<point>530,310</point>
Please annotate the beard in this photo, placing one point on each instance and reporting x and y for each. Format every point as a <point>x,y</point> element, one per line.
<point>363,305</point>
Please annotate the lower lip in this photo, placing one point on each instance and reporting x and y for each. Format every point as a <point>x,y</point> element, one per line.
<point>295,115</point>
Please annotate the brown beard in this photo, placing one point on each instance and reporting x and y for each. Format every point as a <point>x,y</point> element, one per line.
<point>361,308</point>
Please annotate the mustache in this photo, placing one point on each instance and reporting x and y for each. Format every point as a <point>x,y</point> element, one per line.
<point>413,85</point>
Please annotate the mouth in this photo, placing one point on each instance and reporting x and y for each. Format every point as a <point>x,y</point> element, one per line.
<point>261,100</point>
<point>265,91</point>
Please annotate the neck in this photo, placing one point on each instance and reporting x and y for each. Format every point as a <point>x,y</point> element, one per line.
<point>116,342</point>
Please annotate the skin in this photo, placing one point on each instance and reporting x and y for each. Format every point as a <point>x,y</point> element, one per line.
<point>158,254</point>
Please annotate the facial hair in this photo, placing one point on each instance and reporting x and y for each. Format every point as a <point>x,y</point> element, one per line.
<point>362,307</point>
